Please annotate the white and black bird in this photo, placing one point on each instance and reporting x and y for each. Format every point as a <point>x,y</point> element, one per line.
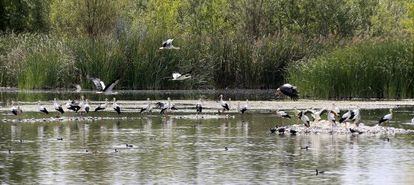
<point>178,77</point>
<point>58,106</point>
<point>282,114</point>
<point>166,107</point>
<point>78,88</point>
<point>244,107</point>
<point>16,110</point>
<point>316,115</point>
<point>332,117</point>
<point>116,107</point>
<point>86,106</point>
<point>224,104</point>
<point>73,105</point>
<point>386,118</point>
<point>41,108</point>
<point>288,90</point>
<point>199,106</point>
<point>100,86</point>
<point>336,109</point>
<point>168,44</point>
<point>102,106</point>
<point>147,107</point>
<point>351,115</point>
<point>305,119</point>
<point>412,121</point>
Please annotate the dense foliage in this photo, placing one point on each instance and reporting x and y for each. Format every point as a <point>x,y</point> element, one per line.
<point>224,43</point>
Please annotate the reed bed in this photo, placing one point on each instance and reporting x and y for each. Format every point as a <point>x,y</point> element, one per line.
<point>375,69</point>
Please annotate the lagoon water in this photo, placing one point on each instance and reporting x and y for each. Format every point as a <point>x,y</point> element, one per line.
<point>184,151</point>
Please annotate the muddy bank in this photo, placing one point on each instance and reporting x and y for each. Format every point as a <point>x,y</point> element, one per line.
<point>188,106</point>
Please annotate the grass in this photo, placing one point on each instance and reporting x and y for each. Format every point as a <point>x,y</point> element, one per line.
<point>379,69</point>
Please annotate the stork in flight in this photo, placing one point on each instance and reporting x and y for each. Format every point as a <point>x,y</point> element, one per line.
<point>288,90</point>
<point>178,77</point>
<point>168,44</point>
<point>100,86</point>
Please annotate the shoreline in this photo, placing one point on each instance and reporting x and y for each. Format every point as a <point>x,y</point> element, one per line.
<point>213,106</point>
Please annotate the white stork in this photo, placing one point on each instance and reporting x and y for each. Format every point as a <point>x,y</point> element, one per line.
<point>224,104</point>
<point>386,118</point>
<point>282,114</point>
<point>58,106</point>
<point>288,90</point>
<point>102,106</point>
<point>178,77</point>
<point>16,110</point>
<point>147,107</point>
<point>305,119</point>
<point>42,108</point>
<point>116,107</point>
<point>100,86</point>
<point>244,107</point>
<point>86,106</point>
<point>168,44</point>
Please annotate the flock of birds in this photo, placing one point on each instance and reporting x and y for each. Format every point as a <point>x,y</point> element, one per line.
<point>305,116</point>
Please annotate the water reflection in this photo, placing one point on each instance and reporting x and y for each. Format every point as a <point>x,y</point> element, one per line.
<point>167,150</point>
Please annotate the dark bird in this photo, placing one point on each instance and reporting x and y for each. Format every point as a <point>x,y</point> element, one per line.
<point>60,138</point>
<point>129,145</point>
<point>41,108</point>
<point>273,130</point>
<point>102,106</point>
<point>305,148</point>
<point>225,148</point>
<point>199,106</point>
<point>319,172</point>
<point>100,86</point>
<point>116,107</point>
<point>281,130</point>
<point>116,150</point>
<point>288,90</point>
<point>386,118</point>
<point>293,132</point>
<point>58,106</point>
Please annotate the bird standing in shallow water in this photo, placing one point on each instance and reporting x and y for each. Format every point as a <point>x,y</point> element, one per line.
<point>42,108</point>
<point>304,119</point>
<point>16,110</point>
<point>58,106</point>
<point>102,106</point>
<point>244,107</point>
<point>386,118</point>
<point>147,107</point>
<point>319,172</point>
<point>199,106</point>
<point>224,104</point>
<point>288,90</point>
<point>116,107</point>
<point>86,106</point>
<point>282,114</point>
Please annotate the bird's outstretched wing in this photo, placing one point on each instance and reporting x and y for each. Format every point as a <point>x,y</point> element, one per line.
<point>111,86</point>
<point>98,84</point>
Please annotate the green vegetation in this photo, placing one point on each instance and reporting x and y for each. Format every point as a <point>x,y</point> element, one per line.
<point>224,43</point>
<point>382,69</point>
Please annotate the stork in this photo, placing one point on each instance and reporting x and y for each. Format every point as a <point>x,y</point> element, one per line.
<point>168,45</point>
<point>288,90</point>
<point>58,106</point>
<point>102,106</point>
<point>42,108</point>
<point>100,86</point>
